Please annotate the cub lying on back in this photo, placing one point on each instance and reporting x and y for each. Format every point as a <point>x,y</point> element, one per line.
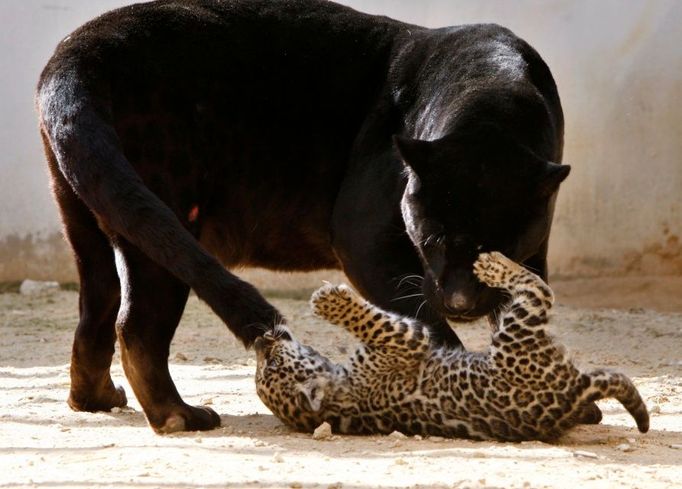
<point>523,388</point>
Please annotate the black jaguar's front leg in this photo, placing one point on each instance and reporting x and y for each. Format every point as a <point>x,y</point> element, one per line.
<point>379,265</point>
<point>369,238</point>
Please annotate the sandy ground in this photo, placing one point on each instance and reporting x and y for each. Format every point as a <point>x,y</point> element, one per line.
<point>43,443</point>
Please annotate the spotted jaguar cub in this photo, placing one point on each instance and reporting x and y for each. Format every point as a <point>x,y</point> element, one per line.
<point>523,387</point>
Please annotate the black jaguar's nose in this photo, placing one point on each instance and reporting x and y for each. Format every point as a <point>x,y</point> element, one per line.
<point>459,304</point>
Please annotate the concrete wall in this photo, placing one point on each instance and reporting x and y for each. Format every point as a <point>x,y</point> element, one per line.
<point>618,66</point>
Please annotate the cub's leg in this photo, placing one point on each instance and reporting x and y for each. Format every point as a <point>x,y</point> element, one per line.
<point>93,346</point>
<point>373,326</point>
<point>531,298</point>
<point>152,303</point>
<point>527,313</point>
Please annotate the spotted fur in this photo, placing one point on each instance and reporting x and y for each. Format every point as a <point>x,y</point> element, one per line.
<point>524,387</point>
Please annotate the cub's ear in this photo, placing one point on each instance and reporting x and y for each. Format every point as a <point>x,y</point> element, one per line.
<point>415,153</point>
<point>552,177</point>
<point>311,393</point>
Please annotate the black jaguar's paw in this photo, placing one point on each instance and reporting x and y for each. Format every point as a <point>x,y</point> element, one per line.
<point>103,399</point>
<point>189,418</point>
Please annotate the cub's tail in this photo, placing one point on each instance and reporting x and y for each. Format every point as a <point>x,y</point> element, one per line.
<point>605,384</point>
<point>76,123</point>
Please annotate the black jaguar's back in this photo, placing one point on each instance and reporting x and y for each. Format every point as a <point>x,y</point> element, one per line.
<point>214,94</point>
<point>186,135</point>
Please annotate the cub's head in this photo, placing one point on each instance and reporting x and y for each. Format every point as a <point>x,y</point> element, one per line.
<point>470,193</point>
<point>291,378</point>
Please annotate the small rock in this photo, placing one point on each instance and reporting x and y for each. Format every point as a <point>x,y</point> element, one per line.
<point>479,454</point>
<point>213,360</point>
<point>585,454</point>
<point>115,410</point>
<point>631,440</point>
<point>207,401</point>
<point>625,447</point>
<point>677,446</point>
<point>295,485</point>
<point>436,438</point>
<point>277,458</point>
<point>323,432</point>
<point>418,437</point>
<point>400,461</point>
<point>34,287</point>
<point>181,357</point>
<point>397,435</point>
<point>655,409</point>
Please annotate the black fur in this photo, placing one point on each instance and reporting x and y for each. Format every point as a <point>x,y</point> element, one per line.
<point>189,135</point>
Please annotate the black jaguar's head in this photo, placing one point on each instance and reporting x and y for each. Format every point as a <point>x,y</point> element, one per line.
<point>471,193</point>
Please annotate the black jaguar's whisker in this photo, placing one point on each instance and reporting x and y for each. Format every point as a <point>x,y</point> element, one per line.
<point>409,279</point>
<point>420,308</point>
<point>532,269</point>
<point>407,297</point>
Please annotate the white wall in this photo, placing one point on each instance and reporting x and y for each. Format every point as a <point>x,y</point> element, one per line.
<point>618,65</point>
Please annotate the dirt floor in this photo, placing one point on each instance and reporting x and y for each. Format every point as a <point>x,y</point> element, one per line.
<point>43,443</point>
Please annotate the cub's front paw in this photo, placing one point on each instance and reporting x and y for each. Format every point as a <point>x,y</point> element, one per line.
<point>494,269</point>
<point>331,301</point>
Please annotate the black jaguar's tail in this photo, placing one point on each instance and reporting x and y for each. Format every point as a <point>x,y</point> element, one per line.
<point>89,154</point>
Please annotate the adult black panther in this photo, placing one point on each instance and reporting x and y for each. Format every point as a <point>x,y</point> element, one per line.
<point>188,135</point>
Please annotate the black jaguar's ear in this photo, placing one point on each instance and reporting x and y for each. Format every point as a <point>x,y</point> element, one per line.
<point>553,175</point>
<point>415,153</point>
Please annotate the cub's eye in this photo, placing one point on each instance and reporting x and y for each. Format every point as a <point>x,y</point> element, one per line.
<point>275,362</point>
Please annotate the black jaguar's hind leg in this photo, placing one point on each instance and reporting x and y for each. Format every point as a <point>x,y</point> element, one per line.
<point>93,346</point>
<point>152,302</point>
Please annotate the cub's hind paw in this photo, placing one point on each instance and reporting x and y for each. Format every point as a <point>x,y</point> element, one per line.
<point>331,302</point>
<point>494,269</point>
